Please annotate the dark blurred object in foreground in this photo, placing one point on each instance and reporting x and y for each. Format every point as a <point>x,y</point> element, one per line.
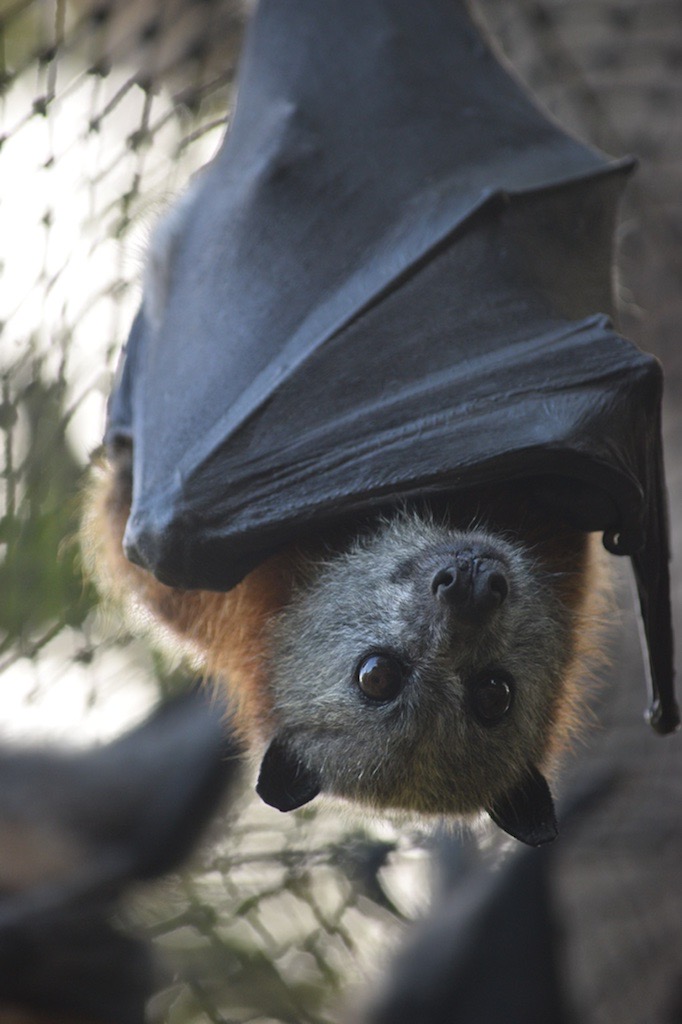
<point>485,958</point>
<point>75,830</point>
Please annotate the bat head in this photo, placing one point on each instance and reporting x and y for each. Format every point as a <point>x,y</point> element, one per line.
<point>423,668</point>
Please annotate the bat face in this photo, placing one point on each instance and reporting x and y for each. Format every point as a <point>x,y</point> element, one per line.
<point>424,668</point>
<point>432,662</point>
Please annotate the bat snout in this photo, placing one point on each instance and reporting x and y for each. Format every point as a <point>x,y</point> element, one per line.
<point>472,582</point>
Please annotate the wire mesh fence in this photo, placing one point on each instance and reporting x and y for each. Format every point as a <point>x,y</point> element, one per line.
<point>107,110</point>
<point>108,107</point>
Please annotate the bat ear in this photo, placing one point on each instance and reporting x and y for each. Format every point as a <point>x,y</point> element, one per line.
<point>284,781</point>
<point>526,812</point>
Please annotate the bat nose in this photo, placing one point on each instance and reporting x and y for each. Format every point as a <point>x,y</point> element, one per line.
<point>473,583</point>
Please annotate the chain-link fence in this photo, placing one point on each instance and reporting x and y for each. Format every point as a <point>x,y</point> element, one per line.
<point>108,107</point>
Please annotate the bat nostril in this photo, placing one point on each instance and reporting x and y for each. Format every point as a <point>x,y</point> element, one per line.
<point>489,588</point>
<point>443,581</point>
<point>452,583</point>
<point>498,586</point>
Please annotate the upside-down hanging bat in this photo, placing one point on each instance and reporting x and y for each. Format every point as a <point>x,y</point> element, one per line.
<point>371,411</point>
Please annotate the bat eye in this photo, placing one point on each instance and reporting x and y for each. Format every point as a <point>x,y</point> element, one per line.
<point>492,695</point>
<point>380,677</point>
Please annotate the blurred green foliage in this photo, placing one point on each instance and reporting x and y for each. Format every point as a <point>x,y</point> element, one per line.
<point>41,588</point>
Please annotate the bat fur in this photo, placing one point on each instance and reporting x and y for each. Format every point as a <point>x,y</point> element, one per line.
<point>288,641</point>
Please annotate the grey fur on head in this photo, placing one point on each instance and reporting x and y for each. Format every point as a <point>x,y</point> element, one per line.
<point>434,744</point>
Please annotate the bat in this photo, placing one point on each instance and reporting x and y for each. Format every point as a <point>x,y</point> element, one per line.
<point>373,413</point>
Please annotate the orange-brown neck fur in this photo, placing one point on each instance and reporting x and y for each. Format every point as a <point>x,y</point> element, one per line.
<point>227,632</point>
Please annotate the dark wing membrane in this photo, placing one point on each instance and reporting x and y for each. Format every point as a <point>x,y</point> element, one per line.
<point>394,276</point>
